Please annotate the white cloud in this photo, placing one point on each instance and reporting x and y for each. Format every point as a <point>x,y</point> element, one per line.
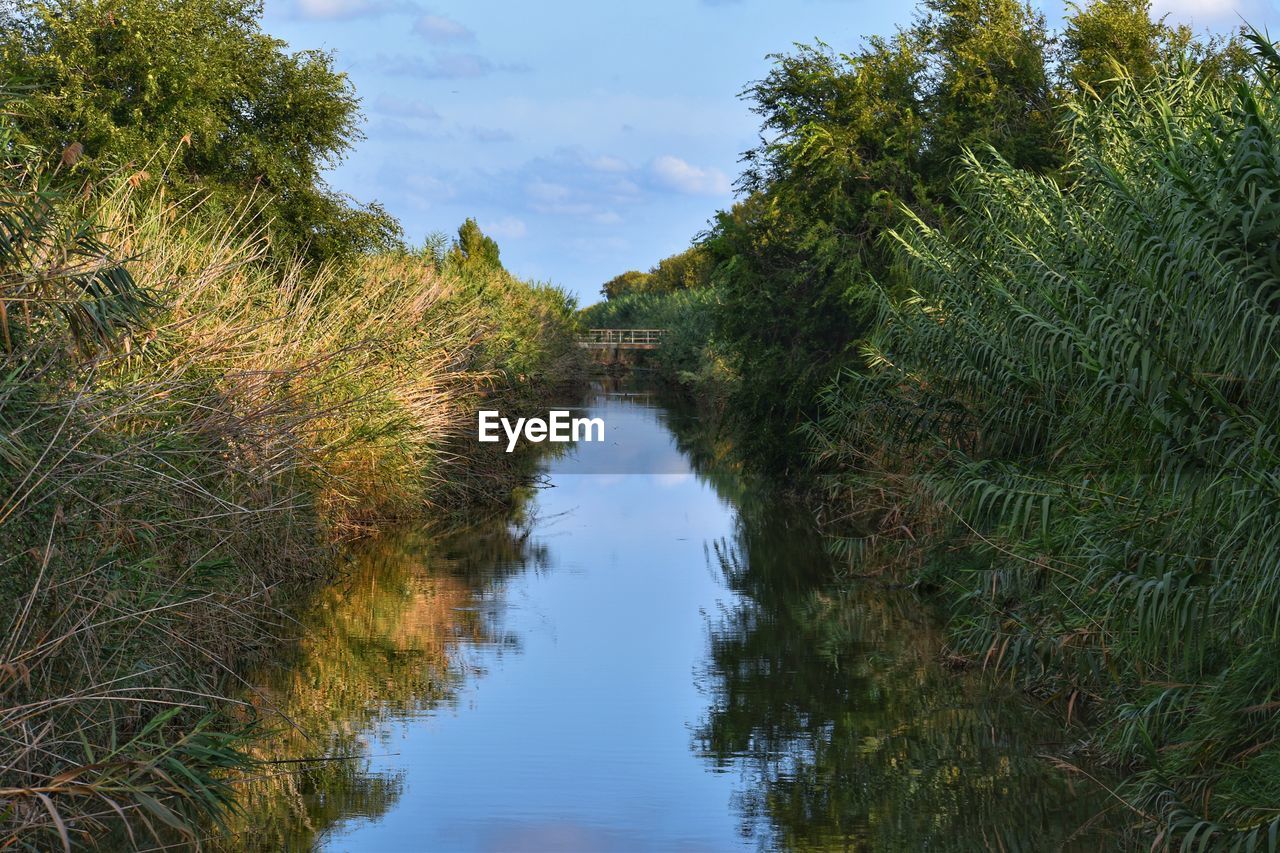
<point>624,188</point>
<point>605,163</point>
<point>675,174</point>
<point>438,28</point>
<point>556,199</point>
<point>336,10</point>
<point>546,191</point>
<point>506,228</point>
<point>406,107</point>
<point>422,185</point>
<point>607,217</point>
<point>444,66</point>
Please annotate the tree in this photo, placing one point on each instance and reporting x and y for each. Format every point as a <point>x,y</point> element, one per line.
<point>473,250</point>
<point>194,93</point>
<point>1106,38</point>
<point>687,270</point>
<point>989,83</point>
<point>632,281</point>
<point>848,141</point>
<point>1107,35</point>
<point>841,139</point>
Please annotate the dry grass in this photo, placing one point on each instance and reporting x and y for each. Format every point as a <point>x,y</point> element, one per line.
<point>160,498</point>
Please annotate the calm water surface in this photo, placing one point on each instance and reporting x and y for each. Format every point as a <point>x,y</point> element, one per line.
<point>640,661</point>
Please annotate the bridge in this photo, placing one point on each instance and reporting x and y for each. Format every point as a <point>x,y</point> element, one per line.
<point>616,339</point>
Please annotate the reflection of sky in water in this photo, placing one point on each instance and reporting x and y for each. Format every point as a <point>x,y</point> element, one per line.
<point>631,443</point>
<point>582,741</point>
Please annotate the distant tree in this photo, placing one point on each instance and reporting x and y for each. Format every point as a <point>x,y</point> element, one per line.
<point>1104,36</point>
<point>632,281</point>
<point>687,270</point>
<point>473,250</point>
<point>840,151</point>
<point>194,93</point>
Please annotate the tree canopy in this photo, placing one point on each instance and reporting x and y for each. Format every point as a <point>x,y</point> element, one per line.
<point>194,93</point>
<point>849,141</point>
<point>687,270</point>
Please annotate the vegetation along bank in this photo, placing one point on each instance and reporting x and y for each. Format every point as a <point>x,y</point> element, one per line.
<point>1003,302</point>
<point>214,368</point>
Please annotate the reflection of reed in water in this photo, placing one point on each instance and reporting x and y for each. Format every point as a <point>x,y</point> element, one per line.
<point>385,642</point>
<point>832,702</point>
<point>847,729</point>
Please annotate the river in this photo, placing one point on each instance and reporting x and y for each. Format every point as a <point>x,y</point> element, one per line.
<point>645,655</point>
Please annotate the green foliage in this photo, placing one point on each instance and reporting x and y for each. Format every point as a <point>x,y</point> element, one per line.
<point>1108,35</point>
<point>687,270</point>
<point>1085,381</point>
<point>986,83</point>
<point>195,94</point>
<point>473,251</point>
<point>1108,39</point>
<point>528,324</point>
<point>632,281</point>
<point>53,263</point>
<point>847,140</point>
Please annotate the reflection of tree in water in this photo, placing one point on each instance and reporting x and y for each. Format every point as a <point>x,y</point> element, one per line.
<point>832,705</point>
<point>386,641</point>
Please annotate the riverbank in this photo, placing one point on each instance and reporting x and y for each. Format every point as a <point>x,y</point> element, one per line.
<point>191,423</point>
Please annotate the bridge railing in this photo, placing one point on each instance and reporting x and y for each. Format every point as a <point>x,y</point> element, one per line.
<point>623,337</point>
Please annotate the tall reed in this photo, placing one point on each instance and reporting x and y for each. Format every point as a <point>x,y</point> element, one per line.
<point>1084,388</point>
<point>187,424</point>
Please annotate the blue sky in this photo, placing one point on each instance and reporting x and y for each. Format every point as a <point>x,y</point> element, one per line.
<point>587,137</point>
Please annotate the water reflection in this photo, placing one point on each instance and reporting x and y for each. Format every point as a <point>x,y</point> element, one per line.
<point>849,735</point>
<point>832,706</point>
<point>386,641</point>
<point>682,678</point>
